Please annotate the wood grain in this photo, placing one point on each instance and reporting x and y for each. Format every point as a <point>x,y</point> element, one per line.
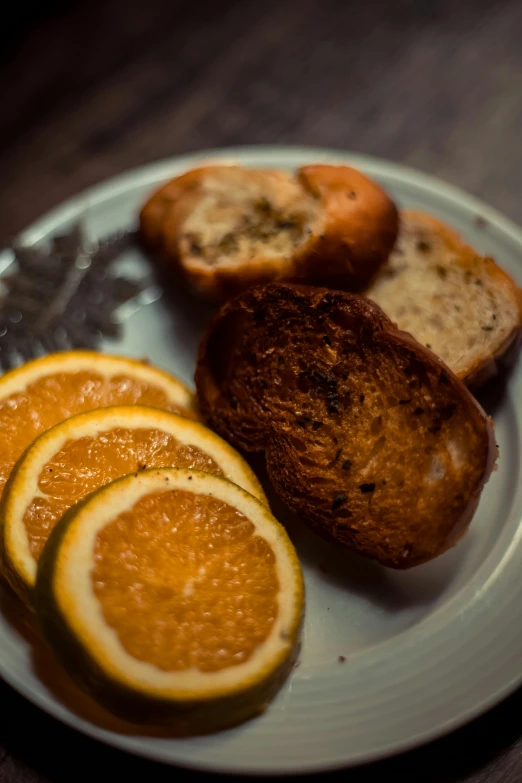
<point>92,88</point>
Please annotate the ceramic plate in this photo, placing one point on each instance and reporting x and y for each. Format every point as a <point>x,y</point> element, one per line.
<point>389,659</point>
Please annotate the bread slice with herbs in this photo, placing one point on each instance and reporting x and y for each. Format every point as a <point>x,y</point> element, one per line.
<point>229,227</point>
<point>461,306</point>
<point>367,435</point>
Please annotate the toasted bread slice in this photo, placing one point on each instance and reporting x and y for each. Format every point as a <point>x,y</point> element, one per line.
<point>460,305</point>
<point>229,228</point>
<point>367,435</point>
<point>243,227</point>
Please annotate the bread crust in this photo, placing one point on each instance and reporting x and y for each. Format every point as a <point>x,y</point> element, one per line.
<point>499,351</point>
<point>161,210</point>
<point>361,225</point>
<point>367,435</point>
<point>350,230</point>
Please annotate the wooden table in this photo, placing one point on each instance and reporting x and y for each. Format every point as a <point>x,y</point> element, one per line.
<point>93,88</point>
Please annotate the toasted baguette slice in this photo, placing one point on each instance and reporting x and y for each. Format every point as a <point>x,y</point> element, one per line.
<point>367,435</point>
<point>462,306</point>
<point>229,228</point>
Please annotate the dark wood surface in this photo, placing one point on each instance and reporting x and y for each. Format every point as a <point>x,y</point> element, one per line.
<point>92,88</point>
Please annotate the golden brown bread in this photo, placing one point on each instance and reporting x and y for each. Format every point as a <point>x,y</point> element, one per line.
<point>359,231</point>
<point>464,307</point>
<point>367,435</point>
<point>227,227</point>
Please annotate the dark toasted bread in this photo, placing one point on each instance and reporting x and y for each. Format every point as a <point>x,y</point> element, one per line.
<point>367,435</point>
<point>229,227</point>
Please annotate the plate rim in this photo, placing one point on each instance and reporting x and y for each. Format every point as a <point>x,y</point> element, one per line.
<point>111,187</point>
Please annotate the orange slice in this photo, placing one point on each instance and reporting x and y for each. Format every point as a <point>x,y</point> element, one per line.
<point>48,390</point>
<point>86,452</point>
<point>172,595</point>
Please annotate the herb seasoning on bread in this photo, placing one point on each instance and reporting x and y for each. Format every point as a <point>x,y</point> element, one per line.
<point>452,300</point>
<point>227,227</point>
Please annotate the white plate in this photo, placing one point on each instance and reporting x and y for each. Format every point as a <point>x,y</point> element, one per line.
<point>424,650</point>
